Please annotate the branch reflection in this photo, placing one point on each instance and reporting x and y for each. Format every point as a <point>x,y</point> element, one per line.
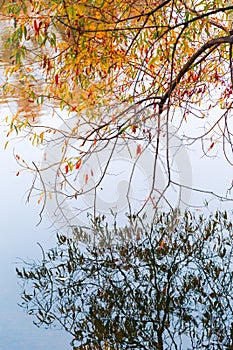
<point>170,288</point>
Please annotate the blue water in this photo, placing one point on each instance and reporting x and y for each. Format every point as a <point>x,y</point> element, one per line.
<point>18,237</point>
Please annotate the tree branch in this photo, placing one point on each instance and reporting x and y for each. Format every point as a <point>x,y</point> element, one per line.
<point>214,42</point>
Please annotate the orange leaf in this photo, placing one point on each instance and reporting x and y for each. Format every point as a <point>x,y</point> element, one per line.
<point>162,244</point>
<point>86,178</point>
<point>78,164</point>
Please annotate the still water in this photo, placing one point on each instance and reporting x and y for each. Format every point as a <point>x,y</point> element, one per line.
<point>19,235</point>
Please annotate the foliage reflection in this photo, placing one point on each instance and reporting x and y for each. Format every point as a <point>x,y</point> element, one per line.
<point>171,288</point>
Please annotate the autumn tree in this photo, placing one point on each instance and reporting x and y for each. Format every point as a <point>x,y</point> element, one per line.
<point>169,289</point>
<point>123,72</point>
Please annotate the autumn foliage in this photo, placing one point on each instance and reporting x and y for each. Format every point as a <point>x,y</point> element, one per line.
<point>150,60</point>
<point>96,52</point>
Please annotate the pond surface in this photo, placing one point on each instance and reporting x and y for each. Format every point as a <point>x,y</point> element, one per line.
<point>19,235</point>
<point>19,230</point>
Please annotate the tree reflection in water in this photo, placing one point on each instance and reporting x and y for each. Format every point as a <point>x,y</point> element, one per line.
<point>171,288</point>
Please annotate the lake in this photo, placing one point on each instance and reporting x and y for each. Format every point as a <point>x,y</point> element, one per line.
<point>20,233</point>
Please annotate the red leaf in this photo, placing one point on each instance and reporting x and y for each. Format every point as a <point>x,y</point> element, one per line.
<point>35,25</point>
<point>56,79</point>
<point>195,77</point>
<point>66,169</point>
<point>211,146</point>
<point>86,178</point>
<point>139,150</point>
<point>134,128</point>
